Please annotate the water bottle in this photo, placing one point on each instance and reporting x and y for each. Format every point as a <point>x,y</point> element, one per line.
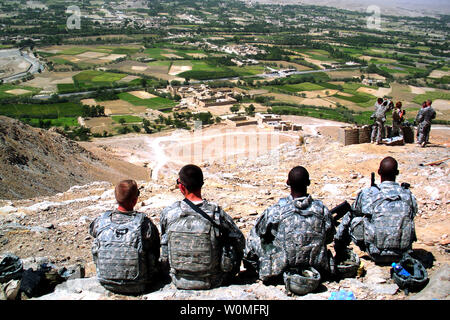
<point>342,295</point>
<point>400,270</point>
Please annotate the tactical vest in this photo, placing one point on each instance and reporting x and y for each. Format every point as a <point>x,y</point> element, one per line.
<point>389,229</point>
<point>118,254</point>
<point>301,233</point>
<point>194,252</point>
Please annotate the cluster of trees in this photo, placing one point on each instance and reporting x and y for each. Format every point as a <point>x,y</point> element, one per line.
<point>93,111</point>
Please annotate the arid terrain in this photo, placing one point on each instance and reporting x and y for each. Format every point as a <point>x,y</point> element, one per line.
<point>243,182</point>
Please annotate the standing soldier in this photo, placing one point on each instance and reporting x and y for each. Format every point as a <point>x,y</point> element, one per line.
<point>292,233</point>
<point>424,119</point>
<point>380,119</point>
<point>397,120</point>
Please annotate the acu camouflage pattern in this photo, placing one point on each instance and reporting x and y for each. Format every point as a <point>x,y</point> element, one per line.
<point>378,130</point>
<point>118,252</point>
<point>193,245</point>
<point>292,233</point>
<point>381,222</point>
<point>423,119</point>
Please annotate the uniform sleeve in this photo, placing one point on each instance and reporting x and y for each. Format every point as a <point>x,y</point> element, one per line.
<point>235,233</point>
<point>164,236</point>
<point>329,227</point>
<point>151,237</point>
<point>93,228</point>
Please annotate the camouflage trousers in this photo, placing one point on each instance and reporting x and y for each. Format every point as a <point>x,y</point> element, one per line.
<point>378,131</point>
<point>396,129</point>
<point>423,132</point>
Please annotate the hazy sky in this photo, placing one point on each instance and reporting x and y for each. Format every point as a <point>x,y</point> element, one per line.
<point>410,7</point>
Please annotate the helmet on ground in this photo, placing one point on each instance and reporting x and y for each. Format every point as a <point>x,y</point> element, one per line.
<point>349,267</point>
<point>11,267</point>
<point>301,280</point>
<point>418,278</point>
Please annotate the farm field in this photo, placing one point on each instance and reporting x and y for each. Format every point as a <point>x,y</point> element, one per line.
<point>156,103</point>
<point>9,91</point>
<point>91,79</point>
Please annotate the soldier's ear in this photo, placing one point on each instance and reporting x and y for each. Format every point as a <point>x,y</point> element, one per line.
<point>308,183</point>
<point>287,182</point>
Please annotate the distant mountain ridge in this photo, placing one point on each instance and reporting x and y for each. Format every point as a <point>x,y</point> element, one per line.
<point>389,7</point>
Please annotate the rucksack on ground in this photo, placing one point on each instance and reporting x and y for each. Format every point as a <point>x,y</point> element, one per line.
<point>118,255</point>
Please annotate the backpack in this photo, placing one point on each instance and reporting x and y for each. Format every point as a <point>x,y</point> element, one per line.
<point>301,234</point>
<point>390,227</point>
<point>194,252</point>
<point>119,256</point>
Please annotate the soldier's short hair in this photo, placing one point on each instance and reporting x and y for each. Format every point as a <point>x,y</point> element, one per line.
<point>298,178</point>
<point>126,191</point>
<point>191,176</point>
<point>380,100</point>
<point>398,104</point>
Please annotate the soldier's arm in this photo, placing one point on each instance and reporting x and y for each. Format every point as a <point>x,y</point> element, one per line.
<point>93,228</point>
<point>235,233</point>
<point>151,240</point>
<point>329,227</point>
<point>164,236</point>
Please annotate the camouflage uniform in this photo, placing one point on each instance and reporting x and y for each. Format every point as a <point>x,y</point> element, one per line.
<point>215,274</point>
<point>424,118</point>
<point>378,130</point>
<point>291,233</point>
<point>397,123</point>
<point>380,231</point>
<point>119,261</point>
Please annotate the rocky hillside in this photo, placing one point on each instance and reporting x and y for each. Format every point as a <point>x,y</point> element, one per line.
<point>36,162</point>
<point>55,228</point>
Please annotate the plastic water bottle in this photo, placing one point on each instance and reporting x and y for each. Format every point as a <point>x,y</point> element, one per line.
<point>400,270</point>
<point>342,295</point>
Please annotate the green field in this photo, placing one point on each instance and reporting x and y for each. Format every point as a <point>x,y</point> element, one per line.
<point>8,87</point>
<point>153,103</point>
<point>202,70</point>
<point>304,86</point>
<point>432,95</point>
<point>42,111</point>
<point>164,53</point>
<point>127,118</point>
<point>360,98</point>
<point>90,79</point>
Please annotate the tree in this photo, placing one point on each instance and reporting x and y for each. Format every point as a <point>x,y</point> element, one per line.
<point>235,108</point>
<point>250,110</point>
<point>122,121</point>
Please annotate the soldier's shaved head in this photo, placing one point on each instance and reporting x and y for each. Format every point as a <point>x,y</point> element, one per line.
<point>388,169</point>
<point>298,179</point>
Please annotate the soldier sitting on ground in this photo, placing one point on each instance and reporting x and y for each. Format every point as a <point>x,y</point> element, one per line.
<point>381,221</point>
<point>200,243</point>
<point>126,244</point>
<point>292,233</point>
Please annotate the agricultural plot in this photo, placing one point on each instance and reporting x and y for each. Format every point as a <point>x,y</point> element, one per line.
<point>92,79</point>
<point>351,94</point>
<point>59,114</point>
<point>127,119</point>
<point>174,54</point>
<point>432,95</point>
<point>9,91</point>
<point>202,70</point>
<point>152,103</point>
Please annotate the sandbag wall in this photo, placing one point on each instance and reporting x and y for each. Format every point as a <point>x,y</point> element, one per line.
<point>354,135</point>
